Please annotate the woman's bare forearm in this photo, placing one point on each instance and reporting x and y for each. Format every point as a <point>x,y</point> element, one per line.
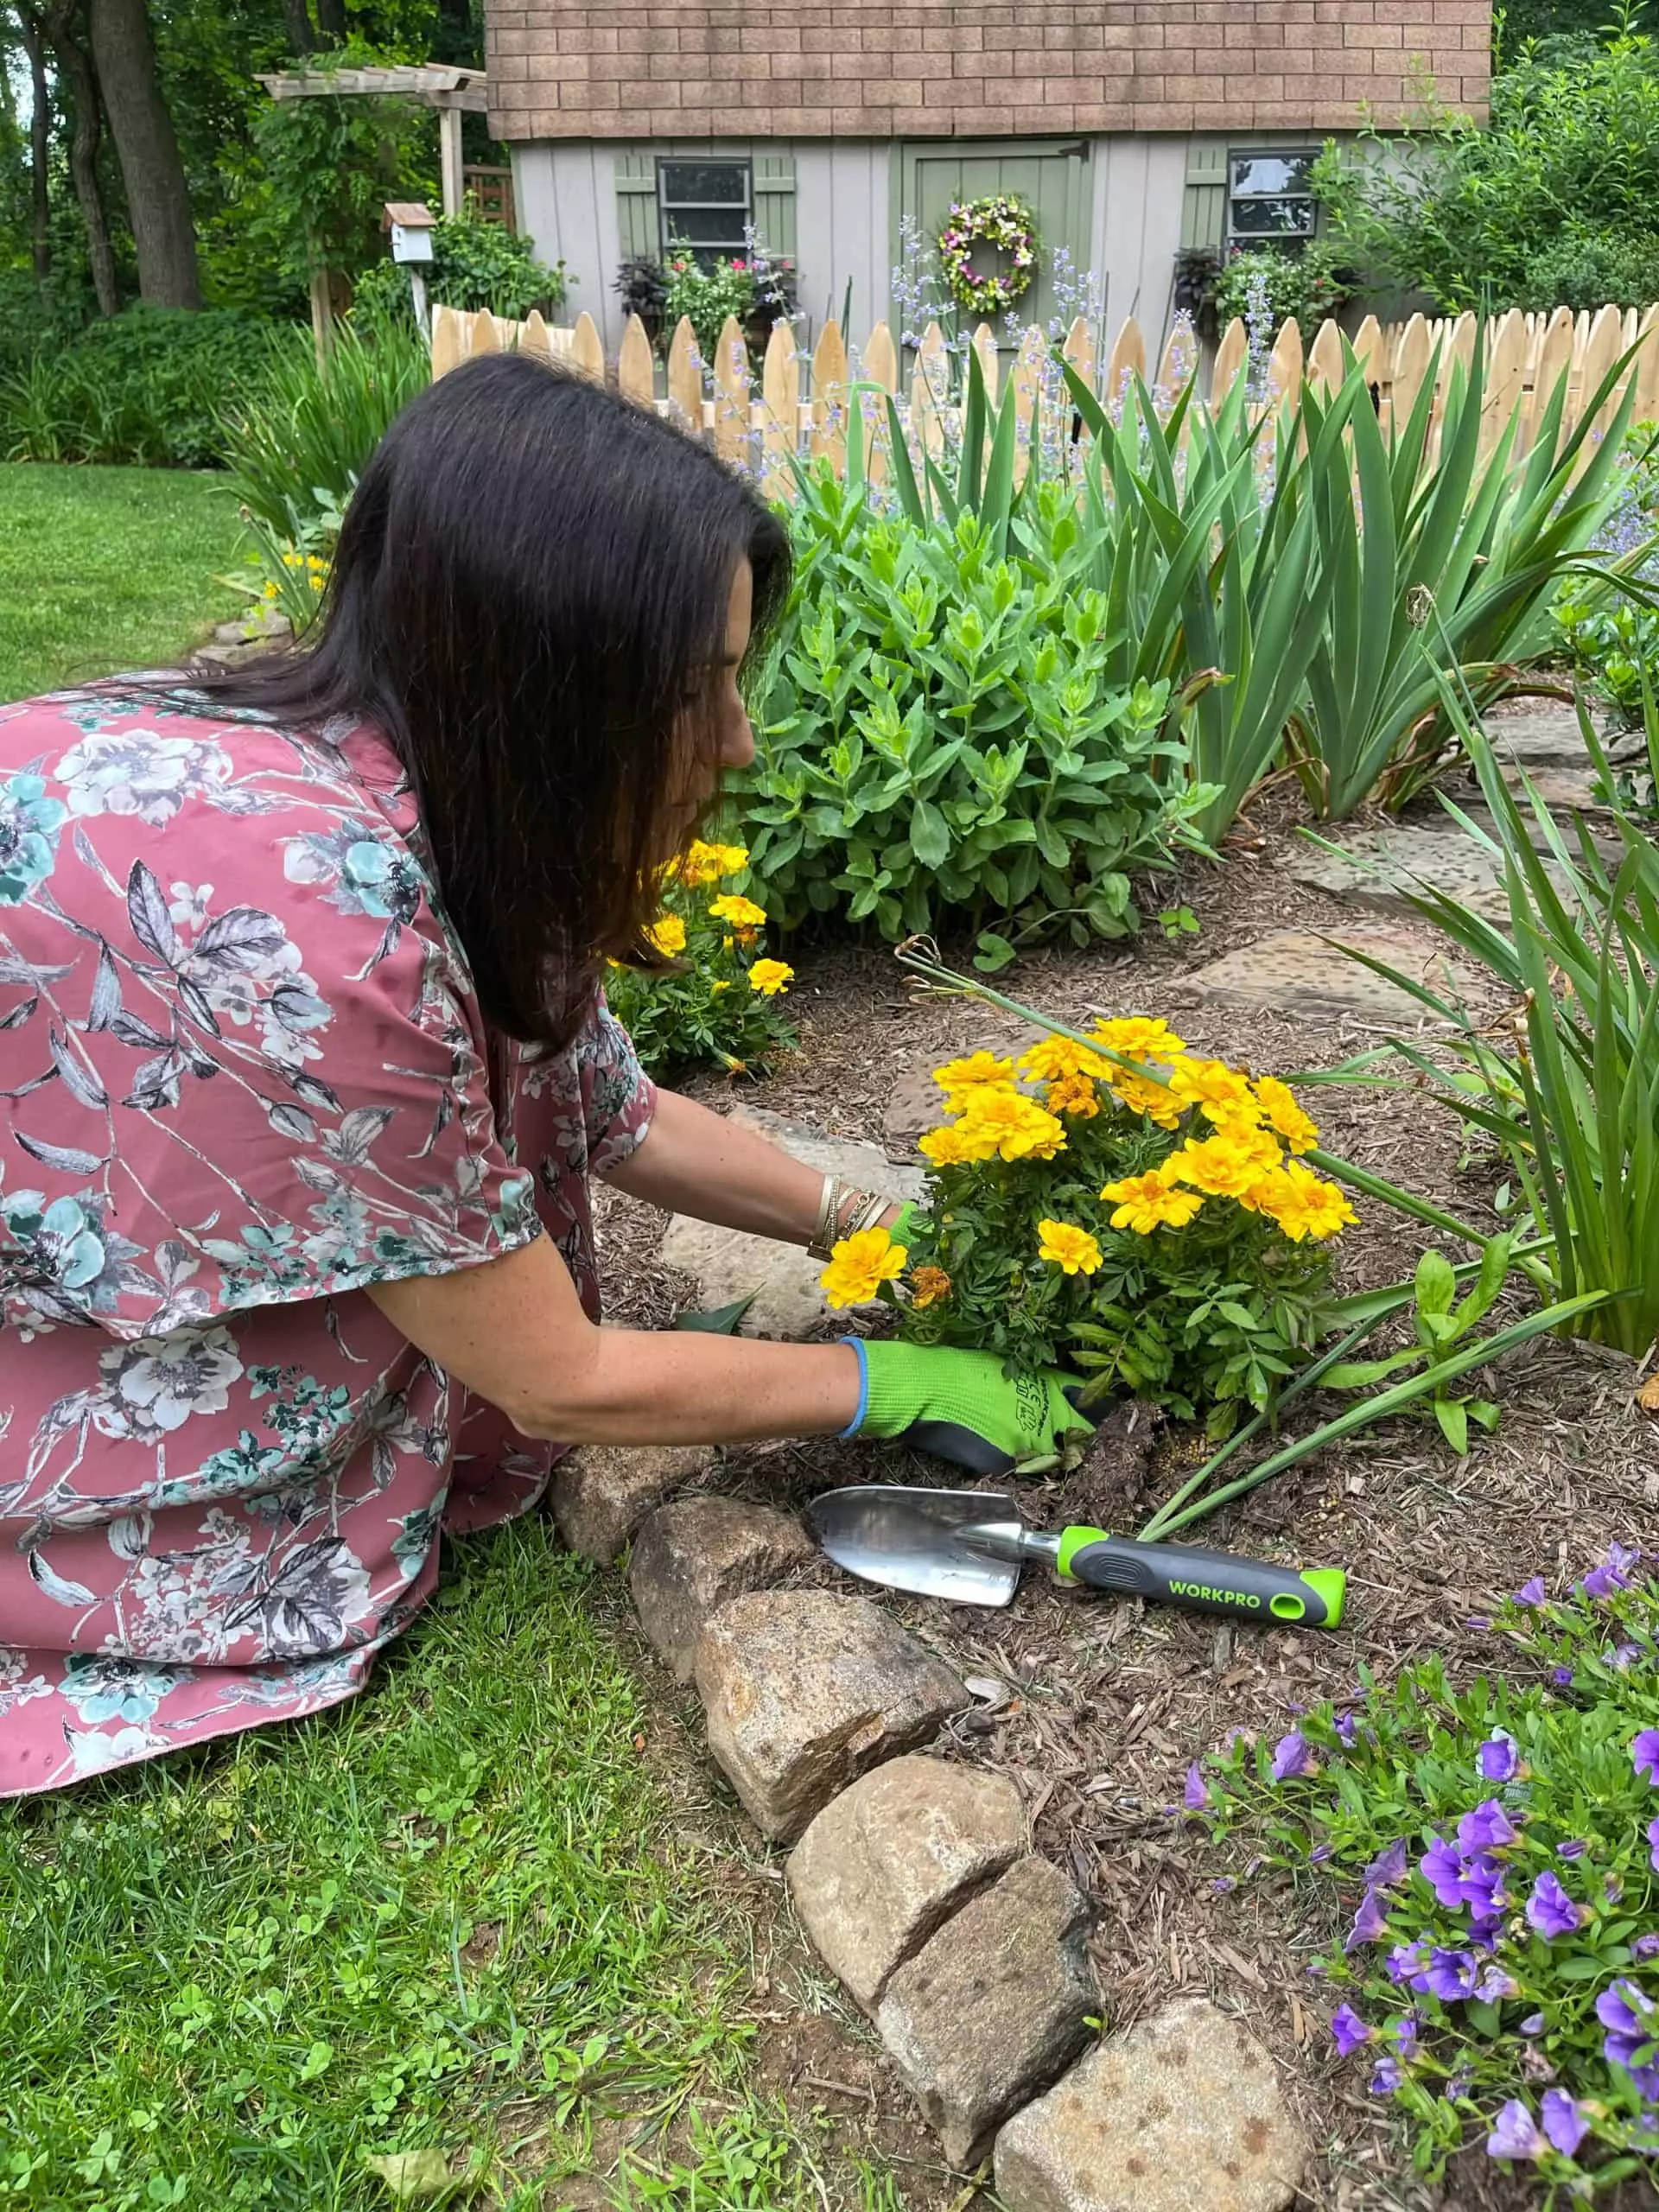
<point>694,1161</point>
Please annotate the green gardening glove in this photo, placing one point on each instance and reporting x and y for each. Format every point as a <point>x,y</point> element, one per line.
<point>962,1405</point>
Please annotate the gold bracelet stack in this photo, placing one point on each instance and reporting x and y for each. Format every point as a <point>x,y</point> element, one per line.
<point>843,1210</point>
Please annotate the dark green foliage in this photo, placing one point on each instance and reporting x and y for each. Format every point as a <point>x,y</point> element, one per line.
<point>473,265</point>
<point>1309,285</point>
<point>149,385</point>
<point>1554,204</point>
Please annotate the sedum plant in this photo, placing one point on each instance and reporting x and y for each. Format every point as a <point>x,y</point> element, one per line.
<point>1497,1848</point>
<point>718,1000</point>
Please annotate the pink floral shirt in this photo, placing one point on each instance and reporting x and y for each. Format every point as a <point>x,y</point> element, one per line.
<point>244,1074</point>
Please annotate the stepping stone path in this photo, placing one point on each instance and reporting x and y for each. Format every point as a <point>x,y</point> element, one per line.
<point>1299,970</point>
<point>727,1264</point>
<point>803,1691</point>
<point>913,1873</point>
<point>691,1556</point>
<point>989,2010</point>
<point>887,1861</point>
<point>1182,2110</point>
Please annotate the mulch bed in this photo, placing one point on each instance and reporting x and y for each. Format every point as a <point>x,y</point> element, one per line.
<point>1103,1705</point>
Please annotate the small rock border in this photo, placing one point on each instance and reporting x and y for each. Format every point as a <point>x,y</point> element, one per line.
<point>913,1876</point>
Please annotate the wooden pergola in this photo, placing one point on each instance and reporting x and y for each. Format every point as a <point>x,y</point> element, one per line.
<point>453,92</point>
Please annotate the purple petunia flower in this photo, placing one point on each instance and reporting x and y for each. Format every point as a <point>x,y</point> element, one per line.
<point>1388,1866</point>
<point>1481,1888</point>
<point>1613,1888</point>
<point>1223,1883</point>
<point>1349,2030</point>
<point>1611,1576</point>
<point>1450,1975</point>
<point>1533,1592</point>
<point>1386,2076</point>
<point>1574,1847</point>
<point>1550,1910</point>
<point>1320,1852</point>
<point>1404,1961</point>
<point>1621,1655</point>
<point>1631,2019</point>
<point>1405,2037</point>
<point>1370,1925</point>
<point>1645,1752</point>
<point>1347,1728</point>
<point>1564,2123</point>
<point>1291,1756</point>
<point>1488,1828</point>
<point>1497,1760</point>
<point>1197,1793</point>
<point>1495,1986</point>
<point>1646,1946</point>
<point>1561,1676</point>
<point>1441,1867</point>
<point>1515,2134</point>
<point>1532,2025</point>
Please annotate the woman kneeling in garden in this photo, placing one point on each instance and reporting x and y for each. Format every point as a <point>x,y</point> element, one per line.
<point>304,1069</point>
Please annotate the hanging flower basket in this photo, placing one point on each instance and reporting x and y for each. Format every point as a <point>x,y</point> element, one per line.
<point>1007,226</point>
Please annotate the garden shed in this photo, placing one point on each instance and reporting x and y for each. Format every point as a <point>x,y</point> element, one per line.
<point>1132,129</point>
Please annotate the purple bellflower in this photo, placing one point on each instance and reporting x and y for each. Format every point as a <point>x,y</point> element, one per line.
<point>1292,1755</point>
<point>1564,2123</point>
<point>1370,1923</point>
<point>1488,1828</point>
<point>1550,1910</point>
<point>1388,1866</point>
<point>1349,2030</point>
<point>1515,2134</point>
<point>1644,1753</point>
<point>1498,1758</point>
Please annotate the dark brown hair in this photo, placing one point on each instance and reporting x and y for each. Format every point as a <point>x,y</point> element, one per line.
<point>530,598</point>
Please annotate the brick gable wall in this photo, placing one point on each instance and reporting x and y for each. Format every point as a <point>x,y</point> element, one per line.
<point>942,68</point>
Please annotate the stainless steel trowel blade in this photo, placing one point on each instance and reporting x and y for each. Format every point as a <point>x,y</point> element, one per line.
<point>906,1539</point>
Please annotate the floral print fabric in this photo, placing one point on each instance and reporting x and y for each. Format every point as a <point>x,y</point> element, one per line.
<point>244,1074</point>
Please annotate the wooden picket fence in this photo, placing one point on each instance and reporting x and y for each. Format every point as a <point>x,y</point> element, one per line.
<point>797,407</point>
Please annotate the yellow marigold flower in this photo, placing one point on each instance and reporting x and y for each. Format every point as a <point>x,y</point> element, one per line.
<point>1074,1249</point>
<point>859,1264</point>
<point>1301,1203</point>
<point>959,1079</point>
<point>1056,1059</point>
<point>1142,1096</point>
<point>948,1147</point>
<point>747,937</point>
<point>1019,1128</point>
<point>771,976</point>
<point>928,1285</point>
<point>1221,1093</point>
<point>667,934</point>
<point>1144,1203</point>
<point>1139,1037</point>
<point>695,866</point>
<point>1072,1094</point>
<point>717,984</point>
<point>1280,1111</point>
<point>729,858</point>
<point>742,913</point>
<point>1224,1166</point>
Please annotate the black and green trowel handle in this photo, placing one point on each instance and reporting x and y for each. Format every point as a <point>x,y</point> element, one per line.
<point>1203,1581</point>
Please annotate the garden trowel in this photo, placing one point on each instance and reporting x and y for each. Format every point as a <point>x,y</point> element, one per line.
<point>970,1545</point>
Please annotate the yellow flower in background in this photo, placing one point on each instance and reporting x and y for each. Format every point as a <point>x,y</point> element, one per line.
<point>928,1287</point>
<point>959,1079</point>
<point>1067,1247</point>
<point>1224,1166</point>
<point>771,976</point>
<point>1015,1126</point>
<point>1142,1096</point>
<point>1139,1037</point>
<point>1056,1059</point>
<point>1301,1203</point>
<point>667,935</point>
<point>700,864</point>
<point>742,913</point>
<point>717,984</point>
<point>859,1264</point>
<point>1144,1203</point>
<point>1280,1111</point>
<point>948,1147</point>
<point>1219,1092</point>
<point>1072,1094</point>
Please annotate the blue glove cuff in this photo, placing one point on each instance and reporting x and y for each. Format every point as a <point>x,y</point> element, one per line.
<point>857,1421</point>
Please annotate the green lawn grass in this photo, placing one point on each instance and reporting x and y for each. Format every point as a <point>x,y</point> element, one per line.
<point>461,1912</point>
<point>109,569</point>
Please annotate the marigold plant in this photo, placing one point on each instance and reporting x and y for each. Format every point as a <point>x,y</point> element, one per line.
<point>720,1001</point>
<point>1129,1210</point>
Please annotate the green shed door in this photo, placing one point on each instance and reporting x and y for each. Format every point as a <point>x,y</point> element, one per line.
<point>1051,176</point>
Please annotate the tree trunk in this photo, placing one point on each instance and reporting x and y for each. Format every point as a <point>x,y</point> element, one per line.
<point>296,18</point>
<point>75,64</point>
<point>158,199</point>
<point>40,142</point>
<point>331,21</point>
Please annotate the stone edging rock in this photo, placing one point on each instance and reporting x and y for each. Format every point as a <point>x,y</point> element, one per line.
<point>912,1875</point>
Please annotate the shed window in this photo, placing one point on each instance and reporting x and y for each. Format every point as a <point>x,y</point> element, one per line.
<point>1269,199</point>
<point>707,206</point>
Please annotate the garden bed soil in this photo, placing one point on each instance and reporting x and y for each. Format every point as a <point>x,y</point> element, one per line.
<point>1101,1706</point>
